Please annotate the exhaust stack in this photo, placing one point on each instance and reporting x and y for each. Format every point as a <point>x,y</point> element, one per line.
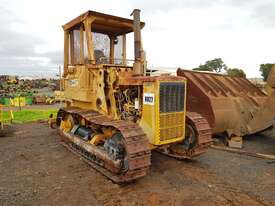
<point>139,60</point>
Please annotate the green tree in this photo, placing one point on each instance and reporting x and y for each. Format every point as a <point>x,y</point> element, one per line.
<point>215,65</point>
<point>265,69</point>
<point>235,72</point>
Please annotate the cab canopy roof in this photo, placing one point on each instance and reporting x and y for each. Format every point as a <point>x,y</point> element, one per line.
<point>103,23</point>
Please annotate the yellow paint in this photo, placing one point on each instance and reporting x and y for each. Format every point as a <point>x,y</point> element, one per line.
<point>19,101</point>
<point>148,119</point>
<point>93,85</point>
<point>97,138</point>
<point>11,115</point>
<point>2,120</point>
<point>67,124</point>
<point>107,133</point>
<point>162,128</point>
<point>1,117</point>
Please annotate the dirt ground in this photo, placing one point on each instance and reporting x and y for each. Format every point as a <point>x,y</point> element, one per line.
<point>36,170</point>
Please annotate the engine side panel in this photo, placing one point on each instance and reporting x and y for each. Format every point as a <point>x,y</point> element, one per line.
<point>163,111</point>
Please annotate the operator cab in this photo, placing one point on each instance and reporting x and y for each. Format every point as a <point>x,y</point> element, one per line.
<point>95,38</point>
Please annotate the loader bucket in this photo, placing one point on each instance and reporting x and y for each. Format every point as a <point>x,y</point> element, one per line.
<point>230,104</point>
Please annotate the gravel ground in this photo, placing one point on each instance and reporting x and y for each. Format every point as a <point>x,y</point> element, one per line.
<point>36,170</point>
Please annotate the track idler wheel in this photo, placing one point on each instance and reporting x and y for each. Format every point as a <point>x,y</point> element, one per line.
<point>191,137</point>
<point>197,138</point>
<point>120,151</point>
<point>115,148</point>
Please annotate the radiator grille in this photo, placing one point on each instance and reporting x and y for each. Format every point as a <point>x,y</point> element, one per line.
<point>171,110</point>
<point>171,125</point>
<point>171,97</point>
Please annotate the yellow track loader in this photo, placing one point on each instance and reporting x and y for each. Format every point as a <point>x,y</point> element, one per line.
<point>115,114</point>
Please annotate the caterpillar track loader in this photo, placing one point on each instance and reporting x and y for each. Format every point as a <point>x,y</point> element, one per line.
<point>115,114</point>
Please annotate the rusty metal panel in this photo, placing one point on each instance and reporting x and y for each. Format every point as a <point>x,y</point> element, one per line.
<point>230,104</point>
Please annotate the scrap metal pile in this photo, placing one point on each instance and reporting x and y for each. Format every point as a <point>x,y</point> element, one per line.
<point>36,89</point>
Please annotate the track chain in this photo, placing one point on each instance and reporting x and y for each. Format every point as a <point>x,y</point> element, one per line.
<point>204,132</point>
<point>135,142</point>
<point>204,137</point>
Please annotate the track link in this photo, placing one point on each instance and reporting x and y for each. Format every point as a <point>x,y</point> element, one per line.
<point>204,139</point>
<point>204,132</point>
<point>135,142</point>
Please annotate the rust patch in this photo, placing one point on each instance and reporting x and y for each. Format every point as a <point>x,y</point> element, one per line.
<point>135,142</point>
<point>230,104</point>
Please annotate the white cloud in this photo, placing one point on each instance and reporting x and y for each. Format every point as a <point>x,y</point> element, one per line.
<point>177,33</point>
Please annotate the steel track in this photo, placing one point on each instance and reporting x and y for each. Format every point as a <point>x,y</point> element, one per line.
<point>135,142</point>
